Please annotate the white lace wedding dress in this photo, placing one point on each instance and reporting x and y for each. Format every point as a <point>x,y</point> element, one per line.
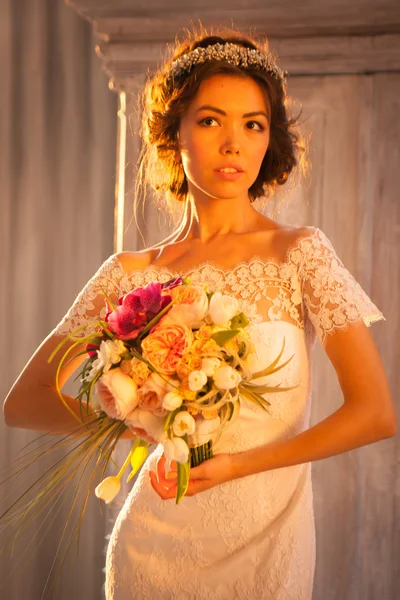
<point>252,538</point>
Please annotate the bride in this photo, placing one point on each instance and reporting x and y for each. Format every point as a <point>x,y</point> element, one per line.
<point>216,136</point>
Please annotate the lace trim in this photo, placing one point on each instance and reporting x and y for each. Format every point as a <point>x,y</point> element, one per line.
<point>311,274</point>
<point>332,296</point>
<point>214,266</point>
<point>249,280</point>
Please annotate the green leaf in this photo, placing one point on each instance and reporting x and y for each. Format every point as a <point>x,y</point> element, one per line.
<point>171,417</point>
<point>138,457</point>
<point>240,321</point>
<point>221,337</point>
<point>266,389</point>
<point>183,480</point>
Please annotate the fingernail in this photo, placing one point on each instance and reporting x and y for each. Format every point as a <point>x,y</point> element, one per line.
<point>170,475</point>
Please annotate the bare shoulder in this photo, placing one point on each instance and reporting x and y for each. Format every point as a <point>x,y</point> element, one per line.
<point>292,234</point>
<point>135,260</point>
<point>284,238</point>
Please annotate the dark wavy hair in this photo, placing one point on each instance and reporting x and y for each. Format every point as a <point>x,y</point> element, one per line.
<point>164,100</point>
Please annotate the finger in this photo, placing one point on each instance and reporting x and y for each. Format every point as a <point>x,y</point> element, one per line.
<point>162,474</point>
<point>165,493</point>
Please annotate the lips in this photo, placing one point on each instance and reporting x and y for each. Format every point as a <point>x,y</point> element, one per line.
<point>235,166</point>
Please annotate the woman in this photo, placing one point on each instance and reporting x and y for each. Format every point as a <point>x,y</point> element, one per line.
<point>216,136</point>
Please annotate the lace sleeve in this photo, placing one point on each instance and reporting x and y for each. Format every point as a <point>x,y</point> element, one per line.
<point>89,305</point>
<point>332,297</point>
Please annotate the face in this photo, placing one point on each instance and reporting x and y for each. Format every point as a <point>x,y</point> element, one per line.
<point>226,122</point>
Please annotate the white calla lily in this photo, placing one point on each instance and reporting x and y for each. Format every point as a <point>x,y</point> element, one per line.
<point>176,449</point>
<point>183,423</point>
<point>108,489</point>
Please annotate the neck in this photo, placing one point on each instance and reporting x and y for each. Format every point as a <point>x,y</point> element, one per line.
<point>206,221</point>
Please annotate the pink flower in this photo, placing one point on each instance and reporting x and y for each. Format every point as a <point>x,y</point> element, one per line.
<point>171,283</point>
<point>146,425</point>
<point>136,309</point>
<point>151,395</point>
<point>116,393</point>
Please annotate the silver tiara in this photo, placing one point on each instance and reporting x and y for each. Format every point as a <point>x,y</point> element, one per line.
<point>231,53</point>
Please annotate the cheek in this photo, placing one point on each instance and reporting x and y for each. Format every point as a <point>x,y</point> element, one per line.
<point>260,153</point>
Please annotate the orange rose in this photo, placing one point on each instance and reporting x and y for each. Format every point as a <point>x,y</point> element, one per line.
<point>205,348</point>
<point>189,309</point>
<point>192,294</point>
<point>205,332</point>
<point>188,363</point>
<point>165,346</point>
<point>185,391</point>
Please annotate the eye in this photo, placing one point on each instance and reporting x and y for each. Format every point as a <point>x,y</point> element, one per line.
<point>206,119</point>
<point>261,128</point>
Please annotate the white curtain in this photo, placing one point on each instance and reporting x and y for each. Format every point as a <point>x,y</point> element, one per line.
<point>58,153</point>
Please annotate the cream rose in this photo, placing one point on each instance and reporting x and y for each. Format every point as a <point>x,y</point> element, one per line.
<point>226,378</point>
<point>151,394</point>
<point>197,380</point>
<point>117,393</point>
<point>146,425</point>
<point>222,308</point>
<point>171,401</point>
<point>210,365</point>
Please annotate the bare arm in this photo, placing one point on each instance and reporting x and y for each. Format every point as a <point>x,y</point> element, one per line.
<point>34,404</point>
<point>366,416</point>
<point>33,401</point>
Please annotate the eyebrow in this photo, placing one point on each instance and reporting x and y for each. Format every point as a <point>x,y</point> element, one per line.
<point>221,112</point>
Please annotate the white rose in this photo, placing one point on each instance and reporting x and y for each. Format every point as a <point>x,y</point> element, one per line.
<point>197,380</point>
<point>226,378</point>
<point>108,489</point>
<point>210,365</point>
<point>205,431</point>
<point>171,401</point>
<point>117,393</point>
<point>175,449</point>
<point>183,423</point>
<point>146,425</point>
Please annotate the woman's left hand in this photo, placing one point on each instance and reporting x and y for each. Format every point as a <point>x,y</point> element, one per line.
<point>211,472</point>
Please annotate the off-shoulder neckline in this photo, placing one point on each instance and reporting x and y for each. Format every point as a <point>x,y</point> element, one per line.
<point>213,265</point>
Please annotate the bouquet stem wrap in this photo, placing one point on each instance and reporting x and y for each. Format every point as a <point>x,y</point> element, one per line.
<point>199,454</point>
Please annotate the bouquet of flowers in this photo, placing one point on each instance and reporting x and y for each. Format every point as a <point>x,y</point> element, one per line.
<point>170,363</point>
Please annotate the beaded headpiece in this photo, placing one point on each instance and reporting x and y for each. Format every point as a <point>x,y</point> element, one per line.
<point>232,53</point>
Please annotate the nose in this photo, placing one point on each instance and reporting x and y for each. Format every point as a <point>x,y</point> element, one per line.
<point>230,148</point>
<point>231,143</point>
